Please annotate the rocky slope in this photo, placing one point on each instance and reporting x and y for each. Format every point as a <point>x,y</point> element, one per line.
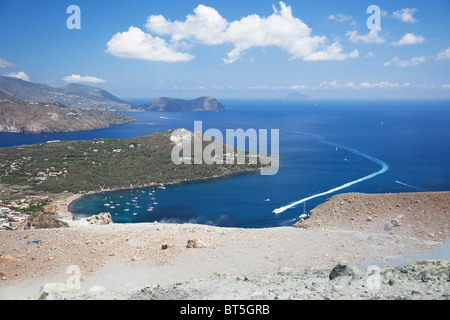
<point>416,214</point>
<point>30,117</point>
<point>73,95</point>
<point>329,260</point>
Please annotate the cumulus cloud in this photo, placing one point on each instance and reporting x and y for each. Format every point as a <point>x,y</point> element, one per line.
<point>444,54</point>
<point>76,78</point>
<point>136,44</point>
<point>20,75</point>
<point>405,63</point>
<point>5,64</point>
<point>371,37</point>
<point>446,86</point>
<point>281,29</point>
<point>406,15</point>
<point>408,39</point>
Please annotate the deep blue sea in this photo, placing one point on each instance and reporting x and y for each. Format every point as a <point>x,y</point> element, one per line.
<point>352,146</point>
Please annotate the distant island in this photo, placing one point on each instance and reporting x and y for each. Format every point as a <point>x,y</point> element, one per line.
<point>298,96</point>
<point>165,104</point>
<point>21,116</point>
<point>95,165</point>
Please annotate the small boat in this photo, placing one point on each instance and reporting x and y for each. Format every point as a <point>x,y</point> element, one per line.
<point>155,202</point>
<point>126,210</point>
<point>134,213</point>
<point>150,209</point>
<point>112,207</point>
<point>106,204</point>
<point>152,198</point>
<point>267,200</point>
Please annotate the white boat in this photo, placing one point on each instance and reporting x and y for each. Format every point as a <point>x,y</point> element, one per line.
<point>126,210</point>
<point>155,202</point>
<point>112,207</point>
<point>267,200</point>
<point>150,209</point>
<point>106,204</point>
<point>134,213</point>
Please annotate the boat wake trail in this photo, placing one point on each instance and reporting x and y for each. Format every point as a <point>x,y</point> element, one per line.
<point>408,185</point>
<point>384,168</point>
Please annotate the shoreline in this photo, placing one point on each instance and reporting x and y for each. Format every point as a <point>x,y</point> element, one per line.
<point>75,197</point>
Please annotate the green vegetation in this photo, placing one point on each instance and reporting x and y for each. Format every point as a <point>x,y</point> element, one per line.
<point>78,166</point>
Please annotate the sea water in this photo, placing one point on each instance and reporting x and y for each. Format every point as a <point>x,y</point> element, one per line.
<point>326,147</point>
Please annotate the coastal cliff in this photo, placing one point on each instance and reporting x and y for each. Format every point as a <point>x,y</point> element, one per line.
<point>31,117</point>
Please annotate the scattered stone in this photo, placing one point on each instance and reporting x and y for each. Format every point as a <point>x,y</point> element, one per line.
<point>396,223</point>
<point>195,243</point>
<point>166,246</point>
<point>99,219</point>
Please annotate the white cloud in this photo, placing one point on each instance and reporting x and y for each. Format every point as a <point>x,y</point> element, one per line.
<point>280,29</point>
<point>5,64</point>
<point>380,85</point>
<point>258,87</point>
<point>405,63</point>
<point>298,87</point>
<point>340,17</point>
<point>406,15</point>
<point>369,55</point>
<point>20,75</point>
<point>76,78</point>
<point>136,44</point>
<point>351,85</point>
<point>206,26</point>
<point>371,37</point>
<point>408,39</point>
<point>446,86</point>
<point>443,55</point>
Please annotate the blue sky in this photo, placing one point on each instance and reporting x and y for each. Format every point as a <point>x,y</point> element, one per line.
<point>231,49</point>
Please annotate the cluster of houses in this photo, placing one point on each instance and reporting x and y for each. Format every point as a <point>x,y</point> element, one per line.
<point>12,213</point>
<point>42,176</point>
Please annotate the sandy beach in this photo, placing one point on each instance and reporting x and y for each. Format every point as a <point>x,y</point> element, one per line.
<point>348,228</point>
